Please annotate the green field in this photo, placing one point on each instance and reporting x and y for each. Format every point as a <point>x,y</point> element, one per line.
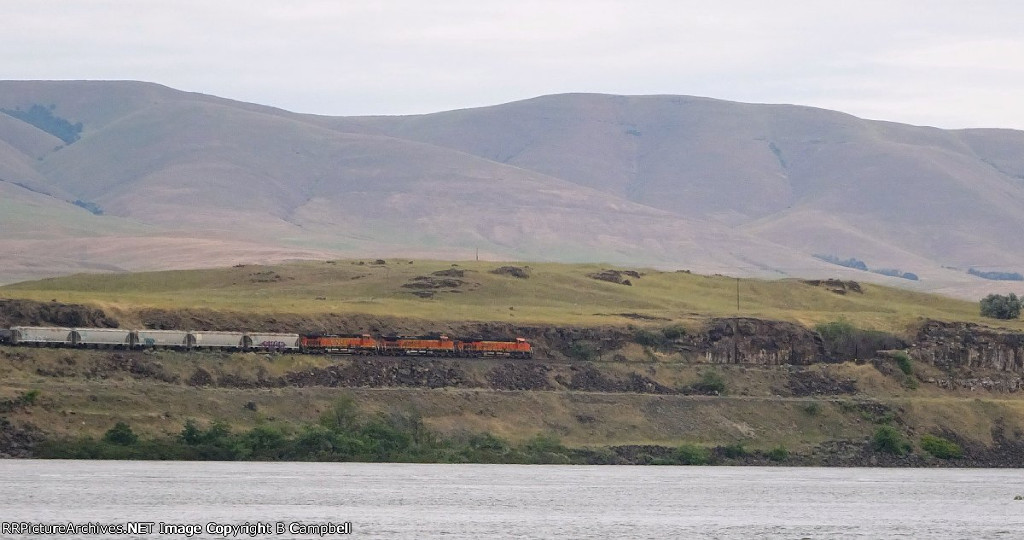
<point>552,294</point>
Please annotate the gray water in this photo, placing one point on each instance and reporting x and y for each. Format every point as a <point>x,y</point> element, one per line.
<point>521,501</point>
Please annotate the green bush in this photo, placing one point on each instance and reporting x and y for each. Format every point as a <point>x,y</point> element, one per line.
<point>582,351</point>
<point>779,453</point>
<point>121,434</point>
<point>691,454</point>
<point>889,440</point>
<point>710,383</point>
<point>544,443</point>
<point>190,433</point>
<point>29,398</point>
<point>674,332</point>
<point>658,338</point>
<point>997,306</point>
<point>940,447</point>
<point>734,451</point>
<point>903,362</point>
<point>647,338</point>
<point>835,330</point>
<point>342,417</point>
<point>812,409</point>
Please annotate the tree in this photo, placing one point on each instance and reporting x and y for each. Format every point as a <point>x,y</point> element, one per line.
<point>998,306</point>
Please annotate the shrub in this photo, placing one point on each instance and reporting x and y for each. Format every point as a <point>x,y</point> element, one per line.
<point>342,417</point>
<point>691,454</point>
<point>29,398</point>
<point>673,332</point>
<point>997,306</point>
<point>940,447</point>
<point>190,433</point>
<point>734,451</point>
<point>710,383</point>
<point>544,443</point>
<point>121,434</point>
<point>889,440</point>
<point>647,338</point>
<point>658,338</point>
<point>812,409</point>
<point>903,362</point>
<point>582,351</point>
<point>779,453</point>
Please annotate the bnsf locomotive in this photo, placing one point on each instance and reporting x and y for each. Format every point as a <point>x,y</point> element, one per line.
<point>421,346</point>
<point>438,345</point>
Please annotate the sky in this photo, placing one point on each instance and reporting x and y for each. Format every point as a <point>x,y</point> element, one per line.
<point>949,64</point>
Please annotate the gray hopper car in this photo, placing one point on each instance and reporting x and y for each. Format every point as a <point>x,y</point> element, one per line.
<point>273,342</point>
<point>105,337</point>
<point>43,335</point>
<point>165,338</point>
<point>218,340</point>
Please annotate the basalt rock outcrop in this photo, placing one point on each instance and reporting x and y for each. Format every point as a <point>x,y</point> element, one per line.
<point>959,346</point>
<point>761,342</point>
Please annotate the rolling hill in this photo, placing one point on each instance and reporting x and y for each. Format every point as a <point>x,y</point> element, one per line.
<point>159,178</point>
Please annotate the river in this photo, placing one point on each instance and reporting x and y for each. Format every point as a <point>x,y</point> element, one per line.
<point>510,501</point>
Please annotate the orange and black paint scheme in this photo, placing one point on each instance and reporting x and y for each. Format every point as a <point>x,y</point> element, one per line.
<point>437,345</point>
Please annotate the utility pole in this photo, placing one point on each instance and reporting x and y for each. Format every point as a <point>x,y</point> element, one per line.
<point>736,327</point>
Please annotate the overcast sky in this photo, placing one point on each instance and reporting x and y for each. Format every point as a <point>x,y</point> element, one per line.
<point>943,63</point>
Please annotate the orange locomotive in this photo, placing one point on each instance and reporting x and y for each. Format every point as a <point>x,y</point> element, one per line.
<point>438,345</point>
<point>421,346</point>
<point>351,344</point>
<point>519,348</point>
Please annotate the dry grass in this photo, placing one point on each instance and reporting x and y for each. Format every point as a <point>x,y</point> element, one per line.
<point>554,294</point>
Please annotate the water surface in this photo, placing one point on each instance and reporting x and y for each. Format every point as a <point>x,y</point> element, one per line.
<point>523,501</point>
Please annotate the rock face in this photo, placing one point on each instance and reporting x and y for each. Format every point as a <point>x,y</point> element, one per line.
<point>519,376</point>
<point>587,378</point>
<point>761,342</point>
<point>381,372</point>
<point>17,441</point>
<point>32,313</point>
<point>967,345</point>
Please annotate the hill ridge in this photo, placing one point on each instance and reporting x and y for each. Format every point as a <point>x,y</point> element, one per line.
<point>672,181</point>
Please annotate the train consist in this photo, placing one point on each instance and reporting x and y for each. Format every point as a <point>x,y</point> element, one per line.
<point>117,338</point>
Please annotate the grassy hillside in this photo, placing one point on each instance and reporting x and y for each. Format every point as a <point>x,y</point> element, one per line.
<point>84,393</point>
<point>823,413</point>
<point>553,293</point>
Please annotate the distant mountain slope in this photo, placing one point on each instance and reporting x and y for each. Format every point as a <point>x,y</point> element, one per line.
<point>672,181</point>
<point>774,170</point>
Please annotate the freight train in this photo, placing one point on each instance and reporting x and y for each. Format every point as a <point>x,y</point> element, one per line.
<point>364,344</point>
